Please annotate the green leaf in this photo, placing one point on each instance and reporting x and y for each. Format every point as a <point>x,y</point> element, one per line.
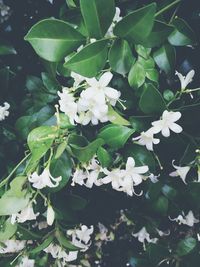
<point>7,230</point>
<point>90,60</point>
<point>115,135</point>
<point>6,49</point>
<point>165,58</point>
<point>152,75</point>
<point>115,118</point>
<point>120,57</point>
<point>53,39</point>
<point>151,100</point>
<point>136,76</point>
<point>159,34</point>
<point>42,246</point>
<point>71,3</point>
<point>136,25</point>
<point>141,155</point>
<point>61,167</point>
<point>185,246</point>
<point>76,202</point>
<point>15,199</point>
<point>104,157</point>
<point>182,34</point>
<point>64,242</point>
<point>50,83</point>
<point>40,140</point>
<point>161,205</point>
<point>168,95</point>
<point>142,51</point>
<point>86,153</point>
<point>169,192</point>
<point>98,16</point>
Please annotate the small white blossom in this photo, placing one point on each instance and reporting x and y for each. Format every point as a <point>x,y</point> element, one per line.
<point>81,238</point>
<point>44,179</point>
<point>4,111</point>
<point>88,176</point>
<point>78,79</point>
<point>26,262</point>
<point>12,246</point>
<point>143,236</point>
<point>167,123</point>
<point>59,253</point>
<point>188,219</point>
<point>68,105</point>
<point>185,80</point>
<point>114,177</point>
<point>50,215</point>
<point>26,214</point>
<point>180,171</point>
<point>147,139</point>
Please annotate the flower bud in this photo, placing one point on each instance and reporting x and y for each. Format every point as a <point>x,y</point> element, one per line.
<point>50,215</point>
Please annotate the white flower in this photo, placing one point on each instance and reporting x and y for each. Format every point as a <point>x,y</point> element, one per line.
<point>4,111</point>
<point>180,171</point>
<point>59,253</point>
<point>26,262</point>
<point>147,139</point>
<point>116,19</point>
<point>111,95</point>
<point>143,235</point>
<point>135,172</point>
<point>185,80</point>
<point>78,79</point>
<point>50,215</point>
<point>89,176</point>
<point>114,177</point>
<point>81,238</point>
<point>44,179</point>
<point>167,123</point>
<point>68,105</point>
<point>92,107</point>
<point>26,214</point>
<point>188,219</point>
<point>12,246</point>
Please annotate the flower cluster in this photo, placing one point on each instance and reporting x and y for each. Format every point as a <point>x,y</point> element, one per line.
<point>121,179</point>
<point>93,103</point>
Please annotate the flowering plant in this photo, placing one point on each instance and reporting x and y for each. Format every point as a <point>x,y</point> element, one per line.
<point>103,135</point>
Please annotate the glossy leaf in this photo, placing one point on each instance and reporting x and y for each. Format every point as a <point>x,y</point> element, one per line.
<point>120,57</point>
<point>136,76</point>
<point>54,39</point>
<point>40,140</point>
<point>185,246</point>
<point>115,118</point>
<point>151,100</point>
<point>136,25</point>
<point>115,136</point>
<point>182,34</point>
<point>165,58</point>
<point>7,230</point>
<point>104,157</point>
<point>98,16</point>
<point>89,60</point>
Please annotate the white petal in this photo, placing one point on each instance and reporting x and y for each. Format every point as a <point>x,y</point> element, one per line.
<point>105,79</point>
<point>165,132</point>
<point>176,128</point>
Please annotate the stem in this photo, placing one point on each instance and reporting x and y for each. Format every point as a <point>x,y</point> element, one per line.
<point>13,171</point>
<point>167,7</point>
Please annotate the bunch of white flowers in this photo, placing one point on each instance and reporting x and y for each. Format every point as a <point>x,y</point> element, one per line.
<point>121,179</point>
<point>164,125</point>
<point>188,219</point>
<point>93,103</point>
<point>12,246</point>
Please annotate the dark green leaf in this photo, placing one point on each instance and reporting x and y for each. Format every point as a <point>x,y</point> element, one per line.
<point>42,246</point>
<point>104,157</point>
<point>182,34</point>
<point>90,60</point>
<point>151,100</point>
<point>53,39</point>
<point>115,135</point>
<point>165,58</point>
<point>136,25</point>
<point>98,16</point>
<point>120,57</point>
<point>185,246</point>
<point>6,49</point>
